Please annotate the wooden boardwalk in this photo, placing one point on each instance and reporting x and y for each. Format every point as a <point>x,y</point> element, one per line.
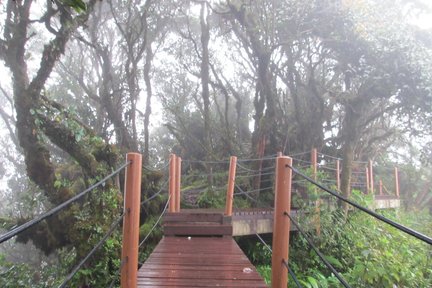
<point>198,262</point>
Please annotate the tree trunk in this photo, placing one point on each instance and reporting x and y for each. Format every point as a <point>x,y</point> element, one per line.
<point>147,113</point>
<point>205,79</point>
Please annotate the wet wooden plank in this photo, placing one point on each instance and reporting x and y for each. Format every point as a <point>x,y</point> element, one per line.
<point>197,229</point>
<point>198,262</point>
<point>193,216</point>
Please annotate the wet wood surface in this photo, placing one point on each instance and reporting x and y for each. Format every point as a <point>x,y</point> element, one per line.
<point>198,262</point>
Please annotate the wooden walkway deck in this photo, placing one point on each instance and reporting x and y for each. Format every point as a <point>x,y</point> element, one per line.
<point>198,262</point>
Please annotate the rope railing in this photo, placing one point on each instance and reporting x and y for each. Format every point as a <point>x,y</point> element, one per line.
<point>156,194</point>
<point>242,192</point>
<point>156,223</point>
<point>298,154</point>
<point>254,170</point>
<point>396,225</point>
<point>329,156</point>
<point>133,186</point>
<point>320,255</point>
<point>302,161</point>
<point>207,162</point>
<point>269,157</point>
<point>31,223</point>
<point>284,262</point>
<point>260,174</point>
<point>95,248</point>
<point>150,169</point>
<point>122,263</point>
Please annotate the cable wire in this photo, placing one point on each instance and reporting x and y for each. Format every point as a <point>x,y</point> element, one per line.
<point>156,194</point>
<point>284,262</point>
<point>253,170</point>
<point>245,194</point>
<point>122,263</point>
<point>329,156</point>
<point>95,248</point>
<point>299,154</point>
<point>264,243</point>
<point>158,170</point>
<point>291,272</point>
<point>321,256</point>
<point>270,157</point>
<point>398,226</point>
<point>206,162</point>
<point>53,211</point>
<point>254,175</point>
<point>252,191</point>
<point>157,222</point>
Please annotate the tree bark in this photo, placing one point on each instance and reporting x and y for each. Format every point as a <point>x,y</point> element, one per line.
<point>147,113</point>
<point>205,80</point>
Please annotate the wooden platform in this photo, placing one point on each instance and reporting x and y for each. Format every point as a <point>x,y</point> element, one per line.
<point>197,222</point>
<point>198,262</point>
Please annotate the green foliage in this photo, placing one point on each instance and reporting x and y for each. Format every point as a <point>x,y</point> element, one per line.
<point>265,272</point>
<point>212,199</point>
<point>13,275</point>
<point>366,252</point>
<point>78,5</point>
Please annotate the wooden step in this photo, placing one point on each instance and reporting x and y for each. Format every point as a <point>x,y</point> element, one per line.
<point>197,229</point>
<point>189,217</point>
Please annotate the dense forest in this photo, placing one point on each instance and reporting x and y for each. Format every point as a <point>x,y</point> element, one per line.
<point>85,82</point>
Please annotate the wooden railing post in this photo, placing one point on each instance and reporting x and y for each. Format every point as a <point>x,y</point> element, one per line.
<point>367,181</point>
<point>314,161</point>
<point>371,178</point>
<point>178,184</point>
<point>380,187</point>
<point>172,183</point>
<point>230,189</point>
<point>131,221</point>
<point>338,174</point>
<point>396,182</point>
<point>281,225</point>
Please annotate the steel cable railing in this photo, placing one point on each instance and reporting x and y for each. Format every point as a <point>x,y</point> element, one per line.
<point>398,226</point>
<point>95,248</point>
<point>114,225</point>
<point>284,262</point>
<point>254,170</point>
<point>156,194</point>
<point>320,255</point>
<point>254,175</point>
<point>123,262</point>
<point>156,223</point>
<point>269,157</point>
<point>31,223</point>
<point>242,192</point>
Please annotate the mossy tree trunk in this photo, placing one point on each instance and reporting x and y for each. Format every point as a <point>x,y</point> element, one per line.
<point>42,123</point>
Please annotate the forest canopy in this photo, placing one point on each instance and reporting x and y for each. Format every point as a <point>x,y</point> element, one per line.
<point>84,82</point>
